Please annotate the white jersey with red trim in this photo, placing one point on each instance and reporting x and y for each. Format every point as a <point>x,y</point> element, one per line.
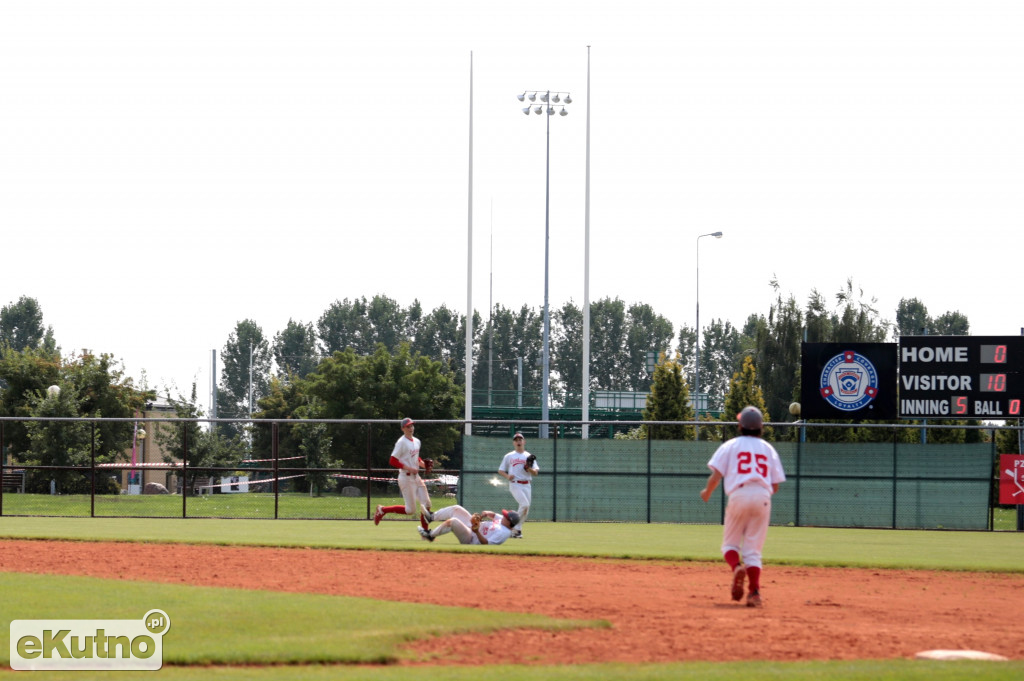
<point>407,451</point>
<point>747,460</point>
<point>495,531</point>
<point>514,463</point>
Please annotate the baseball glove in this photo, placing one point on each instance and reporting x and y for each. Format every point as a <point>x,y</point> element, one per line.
<point>474,522</point>
<point>428,465</point>
<point>530,460</point>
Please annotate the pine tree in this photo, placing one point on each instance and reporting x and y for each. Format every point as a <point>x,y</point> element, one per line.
<point>744,391</point>
<point>669,400</point>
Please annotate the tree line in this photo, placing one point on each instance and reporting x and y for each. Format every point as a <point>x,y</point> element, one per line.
<point>622,337</point>
<point>373,358</point>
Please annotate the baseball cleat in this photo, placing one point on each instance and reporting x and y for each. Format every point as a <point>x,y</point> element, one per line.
<point>739,575</point>
<point>378,515</point>
<point>753,599</point>
<point>517,534</point>
<point>427,514</point>
<point>426,535</point>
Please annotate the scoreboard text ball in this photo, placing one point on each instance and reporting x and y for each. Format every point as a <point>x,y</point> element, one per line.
<point>967,377</point>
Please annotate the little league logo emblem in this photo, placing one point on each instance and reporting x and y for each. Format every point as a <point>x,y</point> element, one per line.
<point>849,381</point>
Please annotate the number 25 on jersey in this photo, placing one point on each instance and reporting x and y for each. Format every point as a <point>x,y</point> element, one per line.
<point>746,462</point>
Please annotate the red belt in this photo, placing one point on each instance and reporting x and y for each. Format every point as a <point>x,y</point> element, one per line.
<point>522,482</point>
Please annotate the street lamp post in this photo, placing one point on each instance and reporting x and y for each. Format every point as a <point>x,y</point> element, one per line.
<point>550,99</point>
<point>696,366</point>
<point>140,477</point>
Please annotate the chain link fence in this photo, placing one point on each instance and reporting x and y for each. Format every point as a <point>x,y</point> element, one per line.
<point>338,470</point>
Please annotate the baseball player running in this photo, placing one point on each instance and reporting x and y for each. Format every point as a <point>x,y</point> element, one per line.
<point>486,527</point>
<point>406,458</point>
<point>752,472</point>
<point>519,467</point>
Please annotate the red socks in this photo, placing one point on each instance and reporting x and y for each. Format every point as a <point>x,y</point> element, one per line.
<point>401,509</point>
<point>754,577</point>
<point>753,573</point>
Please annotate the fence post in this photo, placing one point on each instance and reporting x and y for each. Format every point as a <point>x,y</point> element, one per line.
<point>554,478</point>
<point>3,462</point>
<point>895,472</point>
<point>993,477</point>
<point>649,473</point>
<point>796,492</point>
<point>184,470</point>
<point>92,470</point>
<point>369,462</point>
<point>274,450</point>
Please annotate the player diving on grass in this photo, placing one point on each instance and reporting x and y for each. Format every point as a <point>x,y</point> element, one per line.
<point>406,458</point>
<point>485,527</point>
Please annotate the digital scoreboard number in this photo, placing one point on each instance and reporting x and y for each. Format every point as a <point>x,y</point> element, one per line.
<point>961,377</point>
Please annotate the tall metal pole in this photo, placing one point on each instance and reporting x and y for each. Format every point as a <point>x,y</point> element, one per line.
<point>213,387</point>
<point>469,267</point>
<point>250,381</point>
<point>490,316</point>
<point>586,276</point>
<point>547,318</point>
<point>696,366</point>
<point>549,110</point>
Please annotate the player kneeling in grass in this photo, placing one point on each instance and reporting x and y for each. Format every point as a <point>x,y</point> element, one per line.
<point>752,472</point>
<point>485,527</point>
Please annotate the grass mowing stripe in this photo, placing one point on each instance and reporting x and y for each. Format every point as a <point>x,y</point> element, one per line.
<point>845,670</point>
<point>909,549</point>
<point>251,506</point>
<point>236,626</point>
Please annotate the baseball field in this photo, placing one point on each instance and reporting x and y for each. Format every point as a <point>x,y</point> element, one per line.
<point>299,599</point>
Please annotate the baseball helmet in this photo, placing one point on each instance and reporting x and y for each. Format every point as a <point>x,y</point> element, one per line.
<point>513,517</point>
<point>750,418</point>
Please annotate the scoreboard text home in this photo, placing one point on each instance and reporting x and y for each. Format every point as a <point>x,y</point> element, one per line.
<point>951,377</point>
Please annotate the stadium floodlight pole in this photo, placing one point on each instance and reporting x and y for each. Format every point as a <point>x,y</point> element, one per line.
<point>696,366</point>
<point>550,98</point>
<point>585,397</point>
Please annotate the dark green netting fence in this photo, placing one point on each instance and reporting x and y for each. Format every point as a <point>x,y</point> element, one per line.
<point>907,486</point>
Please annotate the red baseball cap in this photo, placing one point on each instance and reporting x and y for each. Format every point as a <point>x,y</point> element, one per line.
<point>407,422</point>
<point>518,436</point>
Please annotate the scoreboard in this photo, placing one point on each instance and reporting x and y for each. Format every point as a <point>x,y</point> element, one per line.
<point>961,377</point>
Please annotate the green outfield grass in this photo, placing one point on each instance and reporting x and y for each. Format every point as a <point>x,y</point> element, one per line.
<point>907,549</point>
<point>233,626</point>
<point>303,628</point>
<point>252,505</point>
<point>895,670</point>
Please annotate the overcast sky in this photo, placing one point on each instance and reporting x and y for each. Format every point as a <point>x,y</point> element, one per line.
<point>168,169</point>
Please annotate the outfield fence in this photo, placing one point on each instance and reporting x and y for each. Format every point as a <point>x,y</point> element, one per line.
<point>887,482</point>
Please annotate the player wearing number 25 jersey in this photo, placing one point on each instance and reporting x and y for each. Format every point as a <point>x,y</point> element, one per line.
<point>751,471</point>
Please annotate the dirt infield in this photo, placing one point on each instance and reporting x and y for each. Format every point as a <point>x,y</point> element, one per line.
<point>659,611</point>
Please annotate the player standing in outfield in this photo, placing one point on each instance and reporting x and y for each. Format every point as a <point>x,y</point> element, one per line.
<point>752,472</point>
<point>486,527</point>
<point>406,458</point>
<point>519,467</point>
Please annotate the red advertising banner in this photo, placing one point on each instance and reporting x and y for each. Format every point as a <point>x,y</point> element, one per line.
<point>1011,479</point>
